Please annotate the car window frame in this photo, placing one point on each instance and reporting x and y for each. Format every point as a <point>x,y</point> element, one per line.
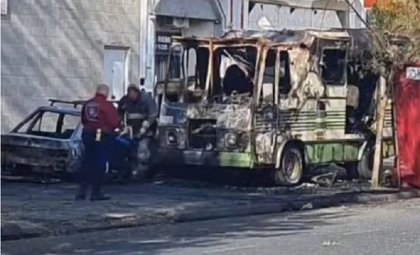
<point>33,119</point>
<point>40,118</point>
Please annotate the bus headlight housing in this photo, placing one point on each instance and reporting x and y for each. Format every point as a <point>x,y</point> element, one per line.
<point>231,139</point>
<point>172,137</point>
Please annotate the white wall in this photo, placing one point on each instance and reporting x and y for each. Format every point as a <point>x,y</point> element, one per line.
<point>55,49</point>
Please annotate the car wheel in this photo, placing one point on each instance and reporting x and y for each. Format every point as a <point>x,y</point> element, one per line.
<point>290,172</point>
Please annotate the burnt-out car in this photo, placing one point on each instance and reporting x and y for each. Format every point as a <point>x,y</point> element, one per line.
<point>47,141</point>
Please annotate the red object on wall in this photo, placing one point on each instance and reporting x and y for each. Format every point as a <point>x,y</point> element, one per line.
<point>407,109</point>
<point>380,3</point>
<point>369,3</point>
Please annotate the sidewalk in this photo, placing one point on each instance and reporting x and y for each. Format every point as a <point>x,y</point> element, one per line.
<point>30,210</point>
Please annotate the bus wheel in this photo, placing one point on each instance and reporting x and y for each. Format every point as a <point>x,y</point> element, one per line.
<point>365,165</point>
<point>291,167</point>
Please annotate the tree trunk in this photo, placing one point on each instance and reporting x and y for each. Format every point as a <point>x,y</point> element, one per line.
<point>380,117</point>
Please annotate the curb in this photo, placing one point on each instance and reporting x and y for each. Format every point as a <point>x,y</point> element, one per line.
<point>298,205</point>
<point>19,230</point>
<point>15,231</point>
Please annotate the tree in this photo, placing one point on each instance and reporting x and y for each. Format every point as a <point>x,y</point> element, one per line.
<point>395,27</point>
<point>393,19</point>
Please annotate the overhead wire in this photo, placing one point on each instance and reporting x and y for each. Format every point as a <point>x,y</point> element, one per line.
<point>359,16</point>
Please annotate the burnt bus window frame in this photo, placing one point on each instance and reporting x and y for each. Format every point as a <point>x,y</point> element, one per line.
<point>200,70</point>
<point>284,80</point>
<point>281,76</point>
<point>175,49</point>
<point>271,61</point>
<point>174,69</point>
<point>334,67</point>
<point>216,85</point>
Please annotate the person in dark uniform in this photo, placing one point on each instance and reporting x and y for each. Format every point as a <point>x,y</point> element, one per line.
<point>100,119</point>
<point>140,111</point>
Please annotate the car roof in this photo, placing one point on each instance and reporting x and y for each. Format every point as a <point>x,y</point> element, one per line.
<point>64,110</point>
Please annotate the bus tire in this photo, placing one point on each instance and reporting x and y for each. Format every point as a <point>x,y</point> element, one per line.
<point>365,165</point>
<point>351,170</point>
<point>291,168</point>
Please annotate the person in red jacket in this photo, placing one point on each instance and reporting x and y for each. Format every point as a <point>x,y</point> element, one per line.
<point>100,119</point>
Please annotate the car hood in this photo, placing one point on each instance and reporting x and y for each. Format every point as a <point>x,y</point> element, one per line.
<point>14,139</point>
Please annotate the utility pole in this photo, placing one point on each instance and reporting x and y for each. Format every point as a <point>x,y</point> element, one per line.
<point>380,117</point>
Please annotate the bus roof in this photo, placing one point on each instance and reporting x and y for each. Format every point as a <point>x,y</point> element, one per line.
<point>268,37</point>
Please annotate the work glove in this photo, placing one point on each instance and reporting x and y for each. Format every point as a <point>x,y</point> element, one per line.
<point>127,131</point>
<point>145,124</point>
<point>144,127</point>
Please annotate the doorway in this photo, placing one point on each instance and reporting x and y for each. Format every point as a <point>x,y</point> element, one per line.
<point>116,70</point>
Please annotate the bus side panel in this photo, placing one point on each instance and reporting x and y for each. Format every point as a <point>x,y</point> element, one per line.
<point>327,152</point>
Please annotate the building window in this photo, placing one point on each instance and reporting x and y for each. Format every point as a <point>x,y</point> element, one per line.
<point>4,7</point>
<point>163,46</point>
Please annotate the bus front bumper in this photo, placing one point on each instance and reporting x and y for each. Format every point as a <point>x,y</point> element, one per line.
<point>169,156</point>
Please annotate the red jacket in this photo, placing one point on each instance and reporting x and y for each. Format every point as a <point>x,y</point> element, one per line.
<point>98,113</point>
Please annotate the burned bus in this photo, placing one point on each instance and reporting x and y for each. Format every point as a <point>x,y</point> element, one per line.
<point>282,101</point>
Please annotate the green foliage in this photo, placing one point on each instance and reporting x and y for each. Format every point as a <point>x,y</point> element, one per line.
<point>396,29</point>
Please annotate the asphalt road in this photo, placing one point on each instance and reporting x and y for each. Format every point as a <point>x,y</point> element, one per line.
<point>381,229</point>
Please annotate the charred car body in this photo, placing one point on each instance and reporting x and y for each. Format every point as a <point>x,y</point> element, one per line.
<point>278,100</point>
<point>49,141</point>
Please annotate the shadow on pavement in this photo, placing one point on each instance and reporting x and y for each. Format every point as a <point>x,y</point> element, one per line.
<point>166,238</point>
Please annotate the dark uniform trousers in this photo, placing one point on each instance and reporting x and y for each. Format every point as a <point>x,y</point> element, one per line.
<point>97,154</point>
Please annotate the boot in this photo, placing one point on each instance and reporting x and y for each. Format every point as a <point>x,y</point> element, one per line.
<point>81,193</point>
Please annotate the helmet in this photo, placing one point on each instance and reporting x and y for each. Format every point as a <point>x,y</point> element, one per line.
<point>134,87</point>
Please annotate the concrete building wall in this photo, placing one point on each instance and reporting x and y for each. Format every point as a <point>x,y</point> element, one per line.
<point>52,48</point>
<point>263,16</point>
<point>248,14</point>
<point>201,15</point>
<point>200,28</point>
